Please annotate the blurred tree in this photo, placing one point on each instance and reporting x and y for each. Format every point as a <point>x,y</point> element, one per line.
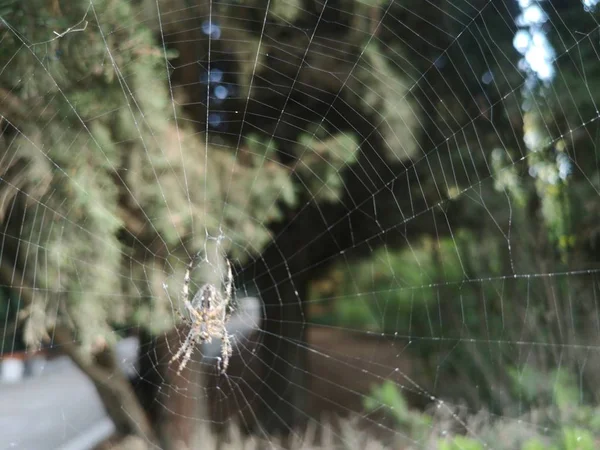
<point>520,157</point>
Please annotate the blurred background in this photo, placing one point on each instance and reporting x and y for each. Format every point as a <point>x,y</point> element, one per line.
<point>408,193</point>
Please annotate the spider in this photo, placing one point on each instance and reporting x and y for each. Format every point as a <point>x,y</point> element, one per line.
<point>207,314</point>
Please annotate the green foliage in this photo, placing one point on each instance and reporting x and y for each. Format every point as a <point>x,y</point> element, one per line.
<point>574,427</point>
<point>110,165</point>
<point>421,291</point>
<point>566,438</point>
<point>550,166</point>
<point>322,160</point>
<point>355,313</point>
<point>379,87</point>
<point>460,443</point>
<point>388,397</point>
<point>557,387</point>
<point>536,444</point>
<point>506,177</point>
<point>286,10</point>
<point>578,439</point>
<point>261,147</point>
<point>372,295</point>
<point>104,173</point>
<point>569,438</point>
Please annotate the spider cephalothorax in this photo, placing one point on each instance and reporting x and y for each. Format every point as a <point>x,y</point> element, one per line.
<point>206,315</point>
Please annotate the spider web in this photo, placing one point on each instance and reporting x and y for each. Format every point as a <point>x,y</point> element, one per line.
<point>406,194</point>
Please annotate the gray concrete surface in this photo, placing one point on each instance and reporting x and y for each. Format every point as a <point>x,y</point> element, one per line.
<point>51,410</point>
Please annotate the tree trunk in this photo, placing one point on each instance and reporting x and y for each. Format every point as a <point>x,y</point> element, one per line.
<point>181,401</point>
<point>114,388</point>
<point>283,390</point>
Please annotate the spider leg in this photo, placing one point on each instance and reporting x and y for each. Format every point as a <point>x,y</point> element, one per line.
<point>185,291</point>
<point>181,316</point>
<point>226,352</point>
<point>229,302</point>
<point>230,308</point>
<point>188,343</point>
<point>228,280</point>
<point>186,358</point>
<point>187,347</point>
<point>183,348</point>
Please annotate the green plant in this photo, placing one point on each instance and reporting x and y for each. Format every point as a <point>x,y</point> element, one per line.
<point>535,387</point>
<point>389,397</point>
<point>460,443</point>
<point>578,439</point>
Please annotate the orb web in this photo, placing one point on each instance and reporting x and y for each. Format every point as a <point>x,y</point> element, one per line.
<point>405,191</point>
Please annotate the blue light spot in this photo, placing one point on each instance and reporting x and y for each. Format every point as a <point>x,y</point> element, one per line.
<point>212,29</point>
<point>214,119</point>
<point>216,75</point>
<point>221,92</point>
<point>487,77</point>
<point>207,27</point>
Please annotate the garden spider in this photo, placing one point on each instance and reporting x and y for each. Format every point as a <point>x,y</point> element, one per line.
<point>207,315</point>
